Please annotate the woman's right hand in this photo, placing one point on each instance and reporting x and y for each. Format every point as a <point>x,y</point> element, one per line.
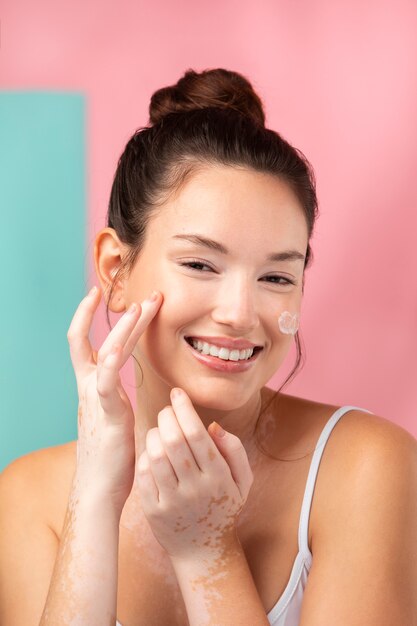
<point>106,443</point>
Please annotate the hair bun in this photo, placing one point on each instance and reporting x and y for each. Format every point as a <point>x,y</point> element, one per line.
<point>210,88</point>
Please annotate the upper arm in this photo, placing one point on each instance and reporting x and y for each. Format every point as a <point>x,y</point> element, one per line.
<point>28,546</point>
<point>364,568</point>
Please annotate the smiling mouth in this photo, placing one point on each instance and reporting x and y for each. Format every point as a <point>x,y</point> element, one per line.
<point>257,349</point>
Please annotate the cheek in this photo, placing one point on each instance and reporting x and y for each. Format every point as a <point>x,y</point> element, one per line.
<point>179,289</point>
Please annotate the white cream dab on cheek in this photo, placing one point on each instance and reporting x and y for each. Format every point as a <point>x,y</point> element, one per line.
<point>288,323</point>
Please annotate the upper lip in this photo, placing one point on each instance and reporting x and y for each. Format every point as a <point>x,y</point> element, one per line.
<point>226,342</point>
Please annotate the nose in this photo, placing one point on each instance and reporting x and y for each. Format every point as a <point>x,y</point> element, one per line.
<point>236,306</point>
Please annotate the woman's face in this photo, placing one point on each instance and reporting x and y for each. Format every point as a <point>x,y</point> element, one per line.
<point>230,295</point>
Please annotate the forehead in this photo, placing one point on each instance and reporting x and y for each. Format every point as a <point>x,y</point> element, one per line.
<point>236,204</point>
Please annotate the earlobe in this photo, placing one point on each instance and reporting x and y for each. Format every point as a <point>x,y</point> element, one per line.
<point>108,252</point>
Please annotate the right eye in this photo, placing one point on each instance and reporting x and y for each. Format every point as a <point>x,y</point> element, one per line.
<point>191,263</point>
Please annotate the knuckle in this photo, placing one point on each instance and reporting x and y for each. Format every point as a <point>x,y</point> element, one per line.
<point>156,456</point>
<point>196,435</point>
<point>74,343</point>
<point>105,363</point>
<point>173,442</point>
<point>144,467</point>
<point>103,391</point>
<point>234,441</point>
<point>235,445</point>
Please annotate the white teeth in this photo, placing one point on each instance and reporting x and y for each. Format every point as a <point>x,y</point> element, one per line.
<point>222,353</point>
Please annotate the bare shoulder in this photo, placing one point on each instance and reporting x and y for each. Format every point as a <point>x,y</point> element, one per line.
<point>34,492</point>
<point>364,451</point>
<point>361,447</point>
<point>44,477</point>
<point>356,431</point>
<point>364,513</point>
<point>362,440</point>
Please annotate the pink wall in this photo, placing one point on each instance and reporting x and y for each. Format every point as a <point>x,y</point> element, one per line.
<point>339,82</point>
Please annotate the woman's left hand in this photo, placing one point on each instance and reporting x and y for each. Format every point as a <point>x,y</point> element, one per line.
<point>191,488</point>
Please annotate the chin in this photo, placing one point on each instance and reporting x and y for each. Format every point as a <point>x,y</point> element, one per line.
<point>216,394</point>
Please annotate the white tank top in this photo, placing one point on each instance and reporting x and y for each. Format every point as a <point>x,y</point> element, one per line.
<point>287,610</point>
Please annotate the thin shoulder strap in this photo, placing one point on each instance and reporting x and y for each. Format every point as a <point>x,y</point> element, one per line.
<point>312,476</point>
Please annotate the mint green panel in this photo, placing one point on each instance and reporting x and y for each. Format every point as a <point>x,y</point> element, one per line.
<point>43,236</point>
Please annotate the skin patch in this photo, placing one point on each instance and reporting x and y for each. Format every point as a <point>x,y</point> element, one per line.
<point>288,323</point>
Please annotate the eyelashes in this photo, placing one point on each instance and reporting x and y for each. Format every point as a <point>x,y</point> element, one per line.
<point>189,264</point>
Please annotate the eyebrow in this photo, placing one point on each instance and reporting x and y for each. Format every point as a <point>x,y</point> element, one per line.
<point>199,240</point>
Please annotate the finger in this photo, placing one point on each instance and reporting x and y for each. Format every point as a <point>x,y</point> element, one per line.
<point>109,387</point>
<point>149,309</point>
<point>201,444</point>
<point>77,335</point>
<point>234,452</point>
<point>148,490</point>
<point>130,327</point>
<point>176,447</point>
<point>161,468</point>
<point>126,333</point>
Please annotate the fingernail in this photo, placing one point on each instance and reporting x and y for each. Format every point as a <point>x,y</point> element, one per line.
<point>176,393</point>
<point>133,308</point>
<point>218,430</point>
<point>93,291</point>
<point>154,296</point>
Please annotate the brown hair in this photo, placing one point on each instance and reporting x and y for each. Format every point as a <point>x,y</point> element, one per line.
<point>207,118</point>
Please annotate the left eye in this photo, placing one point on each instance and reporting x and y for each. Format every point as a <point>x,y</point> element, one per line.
<point>190,264</point>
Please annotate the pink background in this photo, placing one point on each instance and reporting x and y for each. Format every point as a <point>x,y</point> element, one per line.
<point>339,81</point>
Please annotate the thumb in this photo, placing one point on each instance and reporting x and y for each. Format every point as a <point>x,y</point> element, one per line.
<point>233,451</point>
<point>216,430</point>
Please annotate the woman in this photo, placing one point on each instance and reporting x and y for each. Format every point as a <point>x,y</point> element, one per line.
<point>198,508</point>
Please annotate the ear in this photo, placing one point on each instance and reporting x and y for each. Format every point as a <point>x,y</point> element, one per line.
<point>108,254</point>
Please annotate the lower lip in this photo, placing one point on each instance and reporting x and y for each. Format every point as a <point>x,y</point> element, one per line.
<point>223,366</point>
